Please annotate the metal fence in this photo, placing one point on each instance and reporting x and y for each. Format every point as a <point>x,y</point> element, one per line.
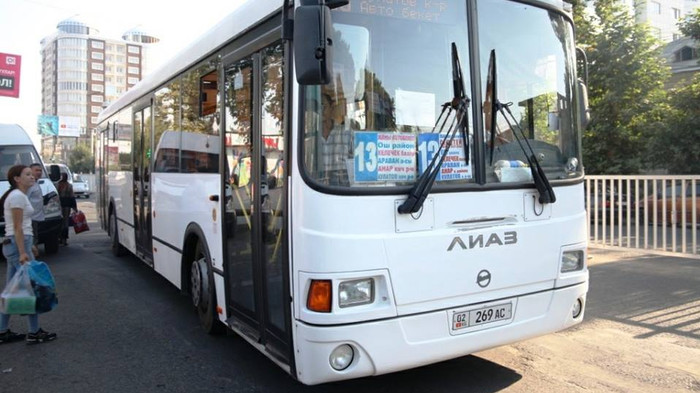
<point>654,213</point>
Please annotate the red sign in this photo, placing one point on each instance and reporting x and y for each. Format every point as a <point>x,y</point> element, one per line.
<point>9,74</point>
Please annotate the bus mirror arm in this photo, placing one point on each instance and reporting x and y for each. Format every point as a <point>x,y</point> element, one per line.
<point>332,4</point>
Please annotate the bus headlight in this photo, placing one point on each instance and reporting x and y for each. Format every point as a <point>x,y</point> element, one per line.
<point>356,292</point>
<point>571,261</point>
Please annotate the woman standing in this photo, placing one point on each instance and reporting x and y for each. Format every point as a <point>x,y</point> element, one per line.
<point>17,246</point>
<point>65,192</point>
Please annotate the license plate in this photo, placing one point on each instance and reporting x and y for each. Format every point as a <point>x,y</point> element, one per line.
<point>481,316</point>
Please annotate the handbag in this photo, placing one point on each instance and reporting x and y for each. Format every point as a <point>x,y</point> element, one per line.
<point>18,296</point>
<point>43,285</point>
<point>79,222</point>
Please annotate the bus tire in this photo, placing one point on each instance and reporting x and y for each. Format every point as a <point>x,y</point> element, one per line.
<point>202,291</point>
<point>117,249</point>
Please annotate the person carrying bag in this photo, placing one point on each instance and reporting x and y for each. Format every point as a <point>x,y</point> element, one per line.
<point>68,204</point>
<point>17,247</point>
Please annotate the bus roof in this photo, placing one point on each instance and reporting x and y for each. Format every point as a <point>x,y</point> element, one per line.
<point>237,22</point>
<point>234,24</point>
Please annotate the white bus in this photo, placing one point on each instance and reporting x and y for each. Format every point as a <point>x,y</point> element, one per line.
<point>361,188</point>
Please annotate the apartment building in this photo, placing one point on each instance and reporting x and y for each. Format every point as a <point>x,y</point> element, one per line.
<point>661,15</point>
<point>81,72</point>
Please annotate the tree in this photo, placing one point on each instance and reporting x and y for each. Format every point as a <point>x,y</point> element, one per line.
<point>677,148</point>
<point>626,94</point>
<point>81,160</point>
<point>690,25</point>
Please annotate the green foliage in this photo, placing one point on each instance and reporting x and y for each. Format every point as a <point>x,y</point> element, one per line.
<point>677,147</point>
<point>626,88</point>
<point>690,25</point>
<point>80,159</point>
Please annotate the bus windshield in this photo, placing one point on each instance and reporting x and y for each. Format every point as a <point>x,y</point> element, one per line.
<point>376,123</point>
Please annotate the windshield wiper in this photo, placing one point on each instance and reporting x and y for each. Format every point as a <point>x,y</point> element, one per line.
<point>541,183</point>
<point>459,104</point>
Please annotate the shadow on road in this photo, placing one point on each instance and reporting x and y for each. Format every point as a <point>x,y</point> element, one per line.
<point>124,328</point>
<point>466,374</point>
<point>658,293</point>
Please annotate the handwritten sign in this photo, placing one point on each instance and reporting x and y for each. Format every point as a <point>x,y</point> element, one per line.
<point>384,156</point>
<point>453,167</point>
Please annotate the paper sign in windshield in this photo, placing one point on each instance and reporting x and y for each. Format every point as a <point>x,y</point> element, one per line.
<point>453,167</point>
<point>384,156</point>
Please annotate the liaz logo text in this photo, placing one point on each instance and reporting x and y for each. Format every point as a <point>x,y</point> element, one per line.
<point>482,241</point>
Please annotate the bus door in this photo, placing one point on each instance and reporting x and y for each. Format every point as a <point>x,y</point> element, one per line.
<point>142,151</point>
<point>257,273</point>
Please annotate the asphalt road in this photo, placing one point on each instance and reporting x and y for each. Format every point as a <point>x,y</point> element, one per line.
<point>123,328</point>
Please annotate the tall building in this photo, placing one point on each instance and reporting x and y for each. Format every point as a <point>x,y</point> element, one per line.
<point>82,72</point>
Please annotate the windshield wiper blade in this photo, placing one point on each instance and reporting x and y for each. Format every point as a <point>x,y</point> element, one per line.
<point>459,97</point>
<point>538,176</point>
<point>460,105</point>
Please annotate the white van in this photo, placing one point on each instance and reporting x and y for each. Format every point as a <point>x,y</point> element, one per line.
<point>16,148</point>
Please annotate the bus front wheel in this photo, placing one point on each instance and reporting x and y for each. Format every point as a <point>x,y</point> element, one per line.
<point>202,291</point>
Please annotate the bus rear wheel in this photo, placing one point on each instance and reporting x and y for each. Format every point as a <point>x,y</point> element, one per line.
<point>202,291</point>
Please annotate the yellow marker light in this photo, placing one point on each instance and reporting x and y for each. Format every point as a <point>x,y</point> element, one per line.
<point>320,295</point>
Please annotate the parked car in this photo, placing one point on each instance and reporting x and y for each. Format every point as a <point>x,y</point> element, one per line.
<point>81,188</point>
<point>672,204</point>
<point>606,203</point>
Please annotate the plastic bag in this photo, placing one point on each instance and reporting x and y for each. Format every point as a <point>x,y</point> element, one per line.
<point>18,296</point>
<point>44,286</point>
<point>79,222</point>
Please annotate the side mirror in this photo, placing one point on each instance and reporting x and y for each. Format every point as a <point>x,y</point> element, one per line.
<point>583,108</point>
<point>54,173</point>
<point>313,47</point>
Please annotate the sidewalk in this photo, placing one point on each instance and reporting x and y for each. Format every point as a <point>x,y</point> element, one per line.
<point>599,255</point>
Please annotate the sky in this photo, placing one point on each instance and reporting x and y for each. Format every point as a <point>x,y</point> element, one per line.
<point>23,23</point>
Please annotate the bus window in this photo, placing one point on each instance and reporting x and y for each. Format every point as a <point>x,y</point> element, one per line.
<point>166,109</point>
<point>200,116</point>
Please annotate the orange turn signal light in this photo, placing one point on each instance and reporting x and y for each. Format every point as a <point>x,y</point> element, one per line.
<point>320,295</point>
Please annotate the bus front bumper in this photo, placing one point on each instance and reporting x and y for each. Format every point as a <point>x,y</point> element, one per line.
<point>401,343</point>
